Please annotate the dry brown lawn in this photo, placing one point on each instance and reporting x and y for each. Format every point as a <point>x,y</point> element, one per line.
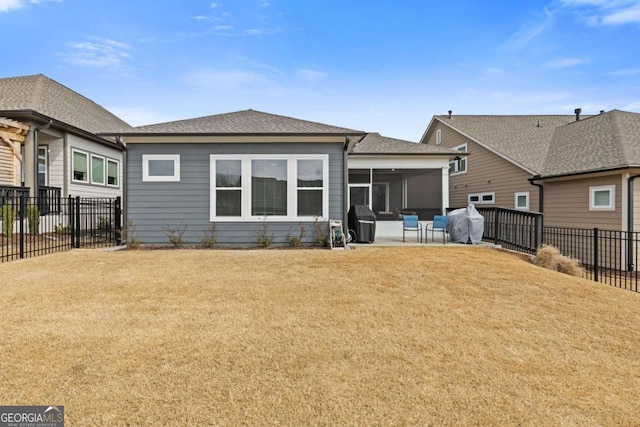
<point>374,336</point>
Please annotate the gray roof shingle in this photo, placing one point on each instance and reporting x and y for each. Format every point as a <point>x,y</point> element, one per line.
<point>524,140</point>
<point>374,143</point>
<point>48,97</point>
<point>244,122</point>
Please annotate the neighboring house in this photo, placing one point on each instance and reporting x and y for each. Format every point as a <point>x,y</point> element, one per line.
<point>579,171</point>
<point>55,151</point>
<point>252,174</point>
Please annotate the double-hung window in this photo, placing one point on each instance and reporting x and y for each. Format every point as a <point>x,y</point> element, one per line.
<point>460,165</point>
<point>113,173</point>
<point>278,187</point>
<point>80,166</point>
<point>97,170</point>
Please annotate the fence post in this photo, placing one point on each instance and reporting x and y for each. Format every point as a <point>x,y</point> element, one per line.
<point>77,222</point>
<point>23,208</point>
<point>118,220</point>
<point>595,255</point>
<point>496,224</point>
<point>538,231</point>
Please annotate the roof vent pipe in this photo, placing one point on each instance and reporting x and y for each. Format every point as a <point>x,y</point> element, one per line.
<point>450,113</point>
<point>577,111</point>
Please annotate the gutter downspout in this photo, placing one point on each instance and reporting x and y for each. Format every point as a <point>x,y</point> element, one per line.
<point>124,182</point>
<point>345,196</point>
<point>540,192</point>
<point>36,147</point>
<point>630,265</point>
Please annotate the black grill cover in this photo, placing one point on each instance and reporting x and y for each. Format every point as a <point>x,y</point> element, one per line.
<point>362,221</point>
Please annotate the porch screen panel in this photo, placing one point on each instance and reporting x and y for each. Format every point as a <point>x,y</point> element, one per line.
<point>310,186</point>
<point>269,187</point>
<point>228,187</point>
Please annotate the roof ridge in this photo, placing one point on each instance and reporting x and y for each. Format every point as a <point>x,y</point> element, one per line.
<point>619,146</point>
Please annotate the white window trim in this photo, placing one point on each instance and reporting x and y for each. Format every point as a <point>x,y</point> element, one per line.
<point>117,173</point>
<point>292,187</point>
<point>44,148</point>
<point>515,201</point>
<point>612,198</point>
<point>466,160</point>
<point>73,163</point>
<point>176,167</point>
<point>480,197</point>
<point>438,136</point>
<point>104,164</point>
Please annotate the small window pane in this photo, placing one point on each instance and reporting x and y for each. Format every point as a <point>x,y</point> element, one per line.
<point>228,173</point>
<point>522,201</point>
<point>487,197</point>
<point>112,172</point>
<point>309,173</point>
<point>161,168</point>
<point>228,202</point>
<point>97,170</point>
<point>80,166</point>
<point>602,198</point>
<point>309,202</point>
<point>474,198</point>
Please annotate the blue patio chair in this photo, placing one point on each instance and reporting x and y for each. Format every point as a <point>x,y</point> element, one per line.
<point>440,223</point>
<point>410,223</point>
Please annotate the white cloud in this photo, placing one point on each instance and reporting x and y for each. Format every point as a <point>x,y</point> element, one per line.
<point>528,32</point>
<point>310,75</point>
<point>213,5</point>
<point>566,62</point>
<point>9,5</point>
<point>625,72</point>
<point>99,53</point>
<point>606,12</point>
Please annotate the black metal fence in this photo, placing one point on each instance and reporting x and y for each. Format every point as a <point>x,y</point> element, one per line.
<point>608,256</point>
<point>31,226</point>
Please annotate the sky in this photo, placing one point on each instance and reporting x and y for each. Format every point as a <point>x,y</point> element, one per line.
<point>377,65</point>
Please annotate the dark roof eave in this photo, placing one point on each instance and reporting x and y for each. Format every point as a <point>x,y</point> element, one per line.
<point>561,175</point>
<point>205,134</point>
<point>410,154</point>
<point>44,118</point>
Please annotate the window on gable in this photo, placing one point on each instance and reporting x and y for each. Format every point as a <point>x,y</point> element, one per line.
<point>287,187</point>
<point>602,198</point>
<point>438,136</point>
<point>80,166</point>
<point>161,167</point>
<point>460,165</point>
<point>522,200</point>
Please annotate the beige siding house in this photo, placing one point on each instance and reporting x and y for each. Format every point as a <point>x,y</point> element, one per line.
<point>579,171</point>
<point>59,153</point>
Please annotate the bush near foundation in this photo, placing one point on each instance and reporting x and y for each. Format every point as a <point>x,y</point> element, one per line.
<point>549,257</point>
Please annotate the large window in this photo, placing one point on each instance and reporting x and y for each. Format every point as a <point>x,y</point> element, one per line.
<point>602,198</point>
<point>460,165</point>
<point>80,166</point>
<point>161,167</point>
<point>277,187</point>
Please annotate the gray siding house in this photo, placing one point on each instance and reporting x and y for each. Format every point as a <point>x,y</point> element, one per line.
<point>249,173</point>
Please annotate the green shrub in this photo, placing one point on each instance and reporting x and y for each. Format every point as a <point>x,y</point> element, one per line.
<point>8,215</point>
<point>209,238</point>
<point>263,237</point>
<point>295,241</point>
<point>175,234</point>
<point>33,218</point>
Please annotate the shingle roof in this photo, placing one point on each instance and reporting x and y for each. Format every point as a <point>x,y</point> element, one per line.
<point>244,122</point>
<point>606,141</point>
<point>48,97</point>
<point>374,143</point>
<point>524,140</point>
<point>557,145</point>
